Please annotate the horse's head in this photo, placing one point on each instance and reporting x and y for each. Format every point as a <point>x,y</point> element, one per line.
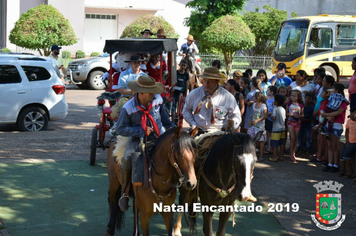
<point>183,153</point>
<point>244,162</point>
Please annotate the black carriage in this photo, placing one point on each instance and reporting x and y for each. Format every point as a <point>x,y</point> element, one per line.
<point>130,45</point>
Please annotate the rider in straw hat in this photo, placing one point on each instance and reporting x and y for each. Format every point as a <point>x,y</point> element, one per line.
<point>143,115</point>
<point>188,47</point>
<point>208,107</point>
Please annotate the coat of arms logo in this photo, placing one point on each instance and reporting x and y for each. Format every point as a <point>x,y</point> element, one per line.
<point>328,205</point>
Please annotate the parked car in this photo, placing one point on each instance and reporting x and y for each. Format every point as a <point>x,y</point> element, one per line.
<point>88,72</point>
<point>31,92</point>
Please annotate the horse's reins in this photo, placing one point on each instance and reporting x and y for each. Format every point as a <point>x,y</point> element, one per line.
<point>222,192</point>
<point>175,165</point>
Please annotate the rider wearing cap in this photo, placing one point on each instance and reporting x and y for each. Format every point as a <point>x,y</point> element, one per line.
<point>141,116</point>
<point>208,107</point>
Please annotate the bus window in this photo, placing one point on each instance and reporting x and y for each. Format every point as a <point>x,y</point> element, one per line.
<point>320,38</point>
<point>346,35</point>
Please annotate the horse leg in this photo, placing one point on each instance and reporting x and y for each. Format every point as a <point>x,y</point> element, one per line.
<point>223,219</point>
<point>208,223</point>
<point>145,220</point>
<point>114,184</point>
<point>178,225</point>
<point>168,221</point>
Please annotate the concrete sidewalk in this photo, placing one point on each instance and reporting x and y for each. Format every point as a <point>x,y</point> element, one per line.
<point>287,183</point>
<point>70,198</point>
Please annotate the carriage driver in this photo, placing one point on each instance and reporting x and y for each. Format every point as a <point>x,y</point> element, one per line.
<point>208,107</point>
<point>143,115</point>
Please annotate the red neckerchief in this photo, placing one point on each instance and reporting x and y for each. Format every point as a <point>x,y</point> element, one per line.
<point>146,113</point>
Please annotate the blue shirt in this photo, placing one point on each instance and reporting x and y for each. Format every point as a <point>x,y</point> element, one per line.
<point>127,76</point>
<point>129,122</point>
<point>286,81</point>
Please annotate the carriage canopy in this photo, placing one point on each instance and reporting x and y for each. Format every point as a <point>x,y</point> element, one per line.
<point>139,45</point>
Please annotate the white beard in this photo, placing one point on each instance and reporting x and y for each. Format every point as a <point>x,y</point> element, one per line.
<point>120,60</point>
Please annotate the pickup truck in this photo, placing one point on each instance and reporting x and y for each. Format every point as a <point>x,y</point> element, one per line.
<point>87,72</point>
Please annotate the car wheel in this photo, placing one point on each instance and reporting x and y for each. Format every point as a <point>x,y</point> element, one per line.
<point>32,119</point>
<point>95,80</point>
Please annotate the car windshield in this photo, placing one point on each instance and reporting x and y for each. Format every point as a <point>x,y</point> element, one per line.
<point>291,38</point>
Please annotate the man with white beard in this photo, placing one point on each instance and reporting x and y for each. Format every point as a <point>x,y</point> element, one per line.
<point>117,67</point>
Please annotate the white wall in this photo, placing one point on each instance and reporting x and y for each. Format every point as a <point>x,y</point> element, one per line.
<point>306,7</point>
<point>75,15</point>
<point>13,14</point>
<point>174,12</point>
<point>128,4</point>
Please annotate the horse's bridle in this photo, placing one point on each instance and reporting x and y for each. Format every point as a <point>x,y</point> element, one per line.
<point>222,192</point>
<point>177,168</point>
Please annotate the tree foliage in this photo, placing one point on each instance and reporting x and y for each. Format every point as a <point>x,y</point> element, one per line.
<point>265,26</point>
<point>206,11</point>
<point>40,28</point>
<point>228,34</point>
<point>151,22</point>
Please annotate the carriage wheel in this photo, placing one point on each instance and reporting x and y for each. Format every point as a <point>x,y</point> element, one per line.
<point>94,137</point>
<point>102,128</point>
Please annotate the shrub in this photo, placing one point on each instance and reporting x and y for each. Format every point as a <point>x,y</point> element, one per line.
<point>94,54</point>
<point>66,55</point>
<point>5,50</point>
<point>79,54</point>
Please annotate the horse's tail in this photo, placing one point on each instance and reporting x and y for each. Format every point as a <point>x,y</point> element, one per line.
<point>120,215</point>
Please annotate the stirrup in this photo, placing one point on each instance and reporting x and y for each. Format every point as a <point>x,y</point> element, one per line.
<point>124,196</point>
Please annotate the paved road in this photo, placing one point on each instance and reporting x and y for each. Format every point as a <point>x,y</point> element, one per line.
<point>68,139</point>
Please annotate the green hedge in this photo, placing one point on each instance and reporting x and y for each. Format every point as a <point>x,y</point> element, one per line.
<point>94,54</point>
<point>66,55</point>
<point>80,54</point>
<point>5,50</point>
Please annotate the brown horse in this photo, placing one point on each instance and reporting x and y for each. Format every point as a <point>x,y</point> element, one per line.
<point>194,69</point>
<point>172,164</point>
<point>224,176</point>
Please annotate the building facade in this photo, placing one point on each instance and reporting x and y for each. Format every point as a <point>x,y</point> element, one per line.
<point>95,21</point>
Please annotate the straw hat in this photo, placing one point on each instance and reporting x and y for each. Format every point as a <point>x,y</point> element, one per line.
<point>146,84</point>
<point>161,33</point>
<point>237,73</point>
<point>211,73</point>
<point>190,38</point>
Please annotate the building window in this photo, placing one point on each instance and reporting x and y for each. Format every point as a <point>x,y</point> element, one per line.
<point>100,16</point>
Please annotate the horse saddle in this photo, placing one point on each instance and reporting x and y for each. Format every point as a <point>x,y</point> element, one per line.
<point>206,140</point>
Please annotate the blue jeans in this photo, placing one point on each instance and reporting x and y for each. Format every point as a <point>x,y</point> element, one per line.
<point>348,152</point>
<point>304,131</point>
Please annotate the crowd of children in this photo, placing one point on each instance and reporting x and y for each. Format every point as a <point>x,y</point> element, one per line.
<point>280,108</point>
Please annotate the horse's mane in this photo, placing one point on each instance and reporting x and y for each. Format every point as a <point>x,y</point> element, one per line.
<point>223,151</point>
<point>184,142</point>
